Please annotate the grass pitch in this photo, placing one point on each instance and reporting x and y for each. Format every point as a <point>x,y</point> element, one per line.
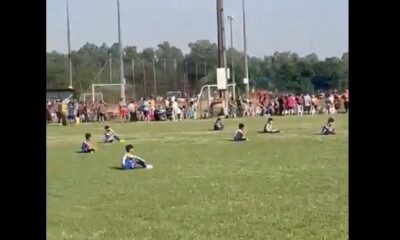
<point>292,185</point>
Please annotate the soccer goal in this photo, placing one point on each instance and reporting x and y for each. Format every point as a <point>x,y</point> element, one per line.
<point>112,92</point>
<point>209,97</point>
<point>89,97</point>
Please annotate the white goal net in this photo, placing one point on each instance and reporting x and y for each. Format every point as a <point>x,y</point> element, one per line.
<point>109,93</point>
<point>88,97</point>
<point>208,96</point>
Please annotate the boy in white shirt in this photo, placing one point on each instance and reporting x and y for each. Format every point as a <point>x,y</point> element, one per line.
<point>328,129</point>
<point>268,127</point>
<point>110,135</point>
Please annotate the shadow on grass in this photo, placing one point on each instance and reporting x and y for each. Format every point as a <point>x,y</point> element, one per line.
<point>116,168</point>
<point>131,138</point>
<point>124,170</point>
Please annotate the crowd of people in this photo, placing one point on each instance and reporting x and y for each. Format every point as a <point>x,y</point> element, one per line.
<point>329,102</point>
<point>64,111</point>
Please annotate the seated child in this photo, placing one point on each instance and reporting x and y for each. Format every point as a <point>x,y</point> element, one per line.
<point>109,135</point>
<point>218,125</point>
<point>86,146</point>
<point>268,127</point>
<point>328,129</point>
<point>240,134</point>
<point>130,161</point>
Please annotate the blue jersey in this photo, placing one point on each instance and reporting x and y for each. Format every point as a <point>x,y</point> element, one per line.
<point>128,162</point>
<point>71,109</point>
<point>85,147</point>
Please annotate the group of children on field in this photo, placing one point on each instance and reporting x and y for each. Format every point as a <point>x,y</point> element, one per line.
<point>128,161</point>
<point>240,134</point>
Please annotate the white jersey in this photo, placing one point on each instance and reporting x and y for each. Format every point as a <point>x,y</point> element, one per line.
<point>307,100</point>
<point>109,135</point>
<point>239,134</point>
<point>268,127</point>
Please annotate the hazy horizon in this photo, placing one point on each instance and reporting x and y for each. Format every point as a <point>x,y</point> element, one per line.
<point>304,27</point>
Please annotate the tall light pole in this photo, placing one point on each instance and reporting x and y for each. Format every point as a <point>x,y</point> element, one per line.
<point>144,79</point>
<point>69,49</point>
<point>222,48</point>
<point>186,77</point>
<point>121,62</point>
<point>165,67</point>
<point>154,76</point>
<point>110,59</point>
<point>196,73</point>
<point>133,76</point>
<point>230,18</point>
<point>176,76</point>
<point>246,68</point>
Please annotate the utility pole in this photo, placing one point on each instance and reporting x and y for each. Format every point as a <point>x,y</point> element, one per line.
<point>246,68</point>
<point>110,59</point>
<point>144,78</point>
<point>121,61</point>
<point>69,49</point>
<point>197,79</point>
<point>222,49</point>
<point>186,76</point>
<point>154,76</point>
<point>230,18</point>
<point>133,77</point>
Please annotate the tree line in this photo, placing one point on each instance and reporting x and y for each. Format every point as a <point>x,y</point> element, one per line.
<point>174,71</point>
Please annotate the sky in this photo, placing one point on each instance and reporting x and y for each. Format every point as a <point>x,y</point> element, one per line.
<point>301,26</point>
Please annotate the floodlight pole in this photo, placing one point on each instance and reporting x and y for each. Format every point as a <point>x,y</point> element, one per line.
<point>222,49</point>
<point>144,78</point>
<point>154,76</point>
<point>230,18</point>
<point>121,70</point>
<point>69,48</point>
<point>246,68</point>
<point>110,60</point>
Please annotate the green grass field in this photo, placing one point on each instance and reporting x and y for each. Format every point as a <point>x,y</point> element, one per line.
<point>293,185</point>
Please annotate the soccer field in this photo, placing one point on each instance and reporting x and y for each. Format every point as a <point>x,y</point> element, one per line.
<point>292,185</point>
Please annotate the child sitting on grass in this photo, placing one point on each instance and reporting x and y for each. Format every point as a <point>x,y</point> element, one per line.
<point>218,125</point>
<point>130,161</point>
<point>328,129</point>
<point>110,135</point>
<point>240,134</point>
<point>268,127</point>
<point>86,146</point>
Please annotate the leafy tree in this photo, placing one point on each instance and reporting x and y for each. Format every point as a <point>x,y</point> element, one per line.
<point>282,71</point>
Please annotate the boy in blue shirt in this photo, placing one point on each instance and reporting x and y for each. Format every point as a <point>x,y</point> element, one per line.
<point>86,146</point>
<point>130,161</point>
